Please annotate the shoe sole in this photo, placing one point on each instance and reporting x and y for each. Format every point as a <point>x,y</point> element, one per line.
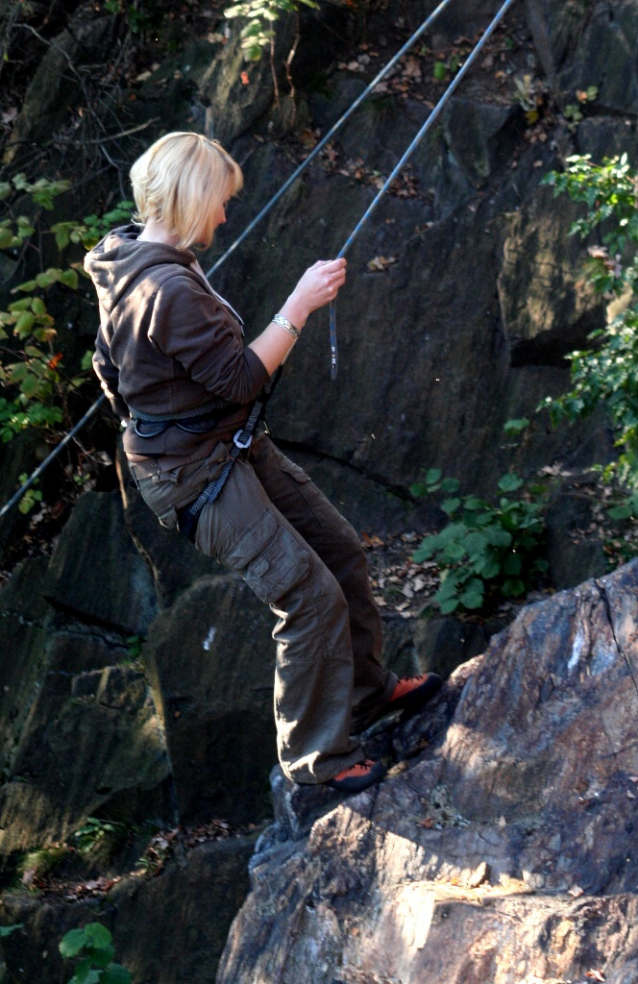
<point>414,700</point>
<point>356,784</point>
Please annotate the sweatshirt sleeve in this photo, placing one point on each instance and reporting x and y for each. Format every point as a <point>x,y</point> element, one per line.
<point>109,376</point>
<point>191,326</point>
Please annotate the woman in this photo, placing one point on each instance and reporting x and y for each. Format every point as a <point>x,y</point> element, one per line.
<point>171,358</point>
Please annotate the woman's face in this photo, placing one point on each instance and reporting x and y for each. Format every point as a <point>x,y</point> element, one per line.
<point>220,214</point>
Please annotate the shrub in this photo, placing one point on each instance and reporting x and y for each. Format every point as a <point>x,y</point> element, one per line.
<point>607,373</point>
<point>486,553</point>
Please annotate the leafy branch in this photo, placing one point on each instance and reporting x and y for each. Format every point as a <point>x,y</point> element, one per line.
<point>258,32</point>
<point>607,374</point>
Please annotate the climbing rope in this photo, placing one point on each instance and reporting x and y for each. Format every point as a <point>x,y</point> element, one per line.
<point>337,126</point>
<point>458,78</point>
<point>47,461</point>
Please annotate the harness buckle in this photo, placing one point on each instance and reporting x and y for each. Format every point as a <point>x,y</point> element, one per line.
<point>242,442</point>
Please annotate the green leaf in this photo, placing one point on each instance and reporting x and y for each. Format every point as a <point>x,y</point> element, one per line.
<point>38,307</point>
<point>93,977</point>
<point>69,278</point>
<point>8,930</point>
<point>512,564</point>
<point>509,483</point>
<point>30,386</point>
<point>419,490</point>
<point>46,279</point>
<point>476,542</point>
<point>424,552</point>
<point>98,935</point>
<point>514,427</point>
<point>17,372</point>
<point>72,942</point>
<point>447,607</point>
<point>513,588</point>
<point>472,504</point>
<point>497,536</point>
<point>439,71</point>
<point>450,506</point>
<point>83,971</point>
<point>24,324</point>
<point>453,552</point>
<point>24,304</point>
<point>27,287</point>
<point>7,239</point>
<point>620,512</point>
<point>433,476</point>
<point>490,569</point>
<point>115,974</point>
<point>450,485</point>
<point>472,599</point>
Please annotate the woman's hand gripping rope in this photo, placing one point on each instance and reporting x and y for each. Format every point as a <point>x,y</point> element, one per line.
<point>318,286</point>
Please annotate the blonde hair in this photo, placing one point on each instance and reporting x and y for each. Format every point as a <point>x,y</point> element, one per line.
<point>182,180</point>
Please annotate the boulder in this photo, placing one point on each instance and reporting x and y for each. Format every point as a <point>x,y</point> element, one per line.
<point>96,574</point>
<point>546,305</point>
<point>572,561</point>
<point>92,741</point>
<point>442,644</point>
<point>211,663</point>
<point>167,928</point>
<point>604,57</point>
<point>520,811</point>
<point>80,732</point>
<point>23,653</point>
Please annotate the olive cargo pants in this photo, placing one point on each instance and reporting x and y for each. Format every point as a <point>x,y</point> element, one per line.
<point>301,557</point>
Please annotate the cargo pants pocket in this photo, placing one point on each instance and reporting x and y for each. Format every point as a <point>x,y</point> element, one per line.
<point>270,559</point>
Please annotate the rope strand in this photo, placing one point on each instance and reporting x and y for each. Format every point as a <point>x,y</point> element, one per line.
<point>445,98</point>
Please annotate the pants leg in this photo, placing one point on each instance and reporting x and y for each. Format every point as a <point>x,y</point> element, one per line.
<point>335,541</point>
<point>314,671</point>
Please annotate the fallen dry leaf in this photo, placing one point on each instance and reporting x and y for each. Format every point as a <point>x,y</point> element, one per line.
<point>381,263</point>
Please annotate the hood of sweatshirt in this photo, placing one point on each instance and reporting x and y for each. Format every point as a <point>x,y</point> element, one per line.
<point>120,258</point>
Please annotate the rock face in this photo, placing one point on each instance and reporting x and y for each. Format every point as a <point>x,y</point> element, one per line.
<point>505,851</point>
<point>80,730</point>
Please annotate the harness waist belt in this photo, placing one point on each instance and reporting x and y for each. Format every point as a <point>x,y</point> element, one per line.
<point>196,421</point>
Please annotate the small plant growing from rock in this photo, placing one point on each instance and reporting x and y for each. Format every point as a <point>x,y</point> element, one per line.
<point>94,833</point>
<point>486,551</point>
<point>93,944</point>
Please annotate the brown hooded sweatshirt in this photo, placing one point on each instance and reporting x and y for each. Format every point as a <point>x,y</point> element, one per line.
<point>167,343</point>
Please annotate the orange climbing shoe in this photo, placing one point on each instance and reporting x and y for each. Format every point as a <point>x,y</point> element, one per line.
<point>411,692</point>
<point>358,777</point>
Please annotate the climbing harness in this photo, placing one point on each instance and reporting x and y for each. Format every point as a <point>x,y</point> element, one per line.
<point>188,517</point>
<point>333,327</point>
<point>334,358</point>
